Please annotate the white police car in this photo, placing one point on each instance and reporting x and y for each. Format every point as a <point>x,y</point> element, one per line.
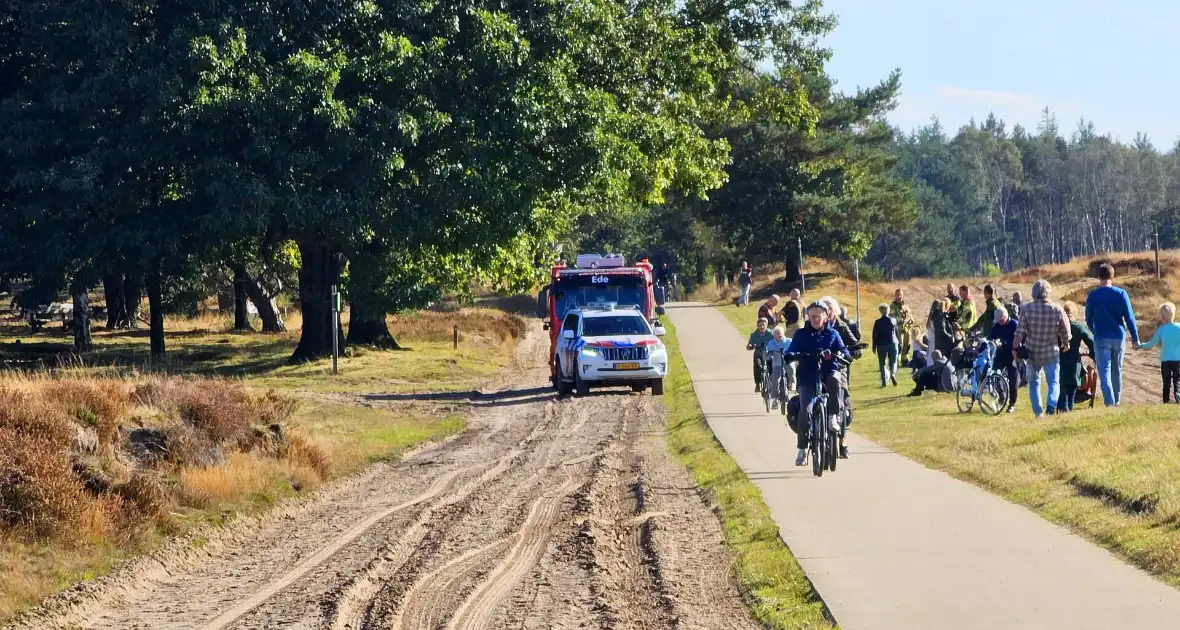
<point>609,346</point>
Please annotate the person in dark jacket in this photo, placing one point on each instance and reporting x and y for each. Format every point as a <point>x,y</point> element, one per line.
<point>944,330</point>
<point>767,312</point>
<point>817,336</point>
<point>1004,330</point>
<point>1071,360</point>
<point>937,376</point>
<point>885,346</point>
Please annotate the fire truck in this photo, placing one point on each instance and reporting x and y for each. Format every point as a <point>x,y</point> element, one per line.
<point>595,281</point>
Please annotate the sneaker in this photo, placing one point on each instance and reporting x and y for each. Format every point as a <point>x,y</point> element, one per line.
<point>774,404</point>
<point>893,379</point>
<point>1012,409</point>
<point>801,460</point>
<point>1050,411</point>
<point>843,452</point>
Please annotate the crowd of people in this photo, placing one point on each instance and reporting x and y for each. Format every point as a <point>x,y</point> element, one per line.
<point>1033,339</point>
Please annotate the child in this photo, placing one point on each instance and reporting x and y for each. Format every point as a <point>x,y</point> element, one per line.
<point>774,354</point>
<point>1168,338</point>
<point>758,340</point>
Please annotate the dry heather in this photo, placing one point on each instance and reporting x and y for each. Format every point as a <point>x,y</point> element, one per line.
<point>107,463</point>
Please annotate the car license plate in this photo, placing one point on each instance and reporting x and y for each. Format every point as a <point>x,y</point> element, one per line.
<point>626,366</point>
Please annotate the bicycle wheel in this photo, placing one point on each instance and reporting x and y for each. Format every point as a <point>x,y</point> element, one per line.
<point>819,432</point>
<point>993,395</point>
<point>964,399</point>
<point>766,396</point>
<point>833,453</point>
<point>783,399</point>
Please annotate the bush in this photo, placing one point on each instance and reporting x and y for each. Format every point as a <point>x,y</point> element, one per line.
<point>991,270</point>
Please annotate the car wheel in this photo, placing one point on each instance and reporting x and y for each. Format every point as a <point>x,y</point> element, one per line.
<point>657,387</point>
<point>580,386</point>
<point>639,388</point>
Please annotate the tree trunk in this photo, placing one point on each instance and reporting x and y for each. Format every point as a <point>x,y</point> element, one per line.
<point>112,286</point>
<point>241,310</point>
<point>366,328</point>
<point>132,294</point>
<point>272,320</point>
<point>156,306</point>
<point>82,339</point>
<point>320,270</point>
<point>793,270</point>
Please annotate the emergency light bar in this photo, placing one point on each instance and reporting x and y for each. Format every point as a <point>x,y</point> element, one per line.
<point>588,261</point>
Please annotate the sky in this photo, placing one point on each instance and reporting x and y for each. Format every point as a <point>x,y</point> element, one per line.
<point>1114,62</point>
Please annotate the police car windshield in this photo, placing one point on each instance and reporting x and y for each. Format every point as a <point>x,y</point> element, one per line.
<point>614,325</point>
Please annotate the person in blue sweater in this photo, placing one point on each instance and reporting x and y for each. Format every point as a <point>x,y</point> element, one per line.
<point>1167,336</point>
<point>1110,317</point>
<point>817,336</point>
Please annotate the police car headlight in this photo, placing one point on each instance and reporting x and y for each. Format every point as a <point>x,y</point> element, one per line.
<point>589,352</point>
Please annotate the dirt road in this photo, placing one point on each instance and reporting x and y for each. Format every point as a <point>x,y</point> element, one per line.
<point>547,513</point>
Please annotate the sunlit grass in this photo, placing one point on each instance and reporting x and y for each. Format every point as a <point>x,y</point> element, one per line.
<point>777,590</point>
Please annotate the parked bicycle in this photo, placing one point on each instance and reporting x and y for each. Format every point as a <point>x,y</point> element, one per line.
<point>982,383</point>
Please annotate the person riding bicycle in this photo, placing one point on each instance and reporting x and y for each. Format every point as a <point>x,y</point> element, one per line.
<point>774,353</point>
<point>817,337</point>
<point>758,340</point>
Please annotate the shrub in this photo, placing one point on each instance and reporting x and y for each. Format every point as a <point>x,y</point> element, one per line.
<point>991,270</point>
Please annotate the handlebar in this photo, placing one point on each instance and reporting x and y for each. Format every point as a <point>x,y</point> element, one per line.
<point>826,355</point>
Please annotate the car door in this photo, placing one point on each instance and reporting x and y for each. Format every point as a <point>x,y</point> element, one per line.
<point>567,349</point>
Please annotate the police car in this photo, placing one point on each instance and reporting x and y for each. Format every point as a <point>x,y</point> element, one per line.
<point>607,345</point>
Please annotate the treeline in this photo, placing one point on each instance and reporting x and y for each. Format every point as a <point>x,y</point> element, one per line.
<point>398,149</point>
<point>989,199</point>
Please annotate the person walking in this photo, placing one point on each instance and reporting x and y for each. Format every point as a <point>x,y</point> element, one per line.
<point>1004,331</point>
<point>1071,360</point>
<point>901,313</point>
<point>1167,336</point>
<point>1110,317</point>
<point>885,332</point>
<point>1043,330</point>
<point>745,279</point>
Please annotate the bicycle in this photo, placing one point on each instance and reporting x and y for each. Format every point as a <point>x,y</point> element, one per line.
<point>771,388</point>
<point>825,432</point>
<point>982,383</point>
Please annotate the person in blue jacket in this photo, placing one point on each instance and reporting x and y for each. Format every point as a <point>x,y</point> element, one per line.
<point>1167,336</point>
<point>1110,317</point>
<point>816,337</point>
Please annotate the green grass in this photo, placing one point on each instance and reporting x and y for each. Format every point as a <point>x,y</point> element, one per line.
<point>776,588</point>
<point>1111,476</point>
<point>356,436</point>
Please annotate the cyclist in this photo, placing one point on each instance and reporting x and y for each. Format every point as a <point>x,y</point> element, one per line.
<point>817,336</point>
<point>758,340</point>
<point>774,353</point>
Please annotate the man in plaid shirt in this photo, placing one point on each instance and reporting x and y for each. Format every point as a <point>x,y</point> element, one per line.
<point>1043,330</point>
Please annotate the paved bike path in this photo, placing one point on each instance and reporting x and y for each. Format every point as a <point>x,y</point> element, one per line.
<point>890,544</point>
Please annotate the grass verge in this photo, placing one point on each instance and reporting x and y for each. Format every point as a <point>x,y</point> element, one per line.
<point>779,593</point>
<point>1111,476</point>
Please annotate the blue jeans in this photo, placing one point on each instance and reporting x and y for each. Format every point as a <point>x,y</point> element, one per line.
<point>745,295</point>
<point>1108,354</point>
<point>1052,376</point>
<point>887,361</point>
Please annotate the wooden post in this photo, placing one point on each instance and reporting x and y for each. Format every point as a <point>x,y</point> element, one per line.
<point>1157,254</point>
<point>456,339</point>
<point>802,277</point>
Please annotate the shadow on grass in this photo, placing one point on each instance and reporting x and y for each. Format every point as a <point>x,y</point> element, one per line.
<point>506,398</point>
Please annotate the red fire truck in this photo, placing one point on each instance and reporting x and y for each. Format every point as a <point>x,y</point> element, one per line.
<point>595,280</point>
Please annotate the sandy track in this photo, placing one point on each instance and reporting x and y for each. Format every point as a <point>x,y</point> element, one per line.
<point>547,513</point>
